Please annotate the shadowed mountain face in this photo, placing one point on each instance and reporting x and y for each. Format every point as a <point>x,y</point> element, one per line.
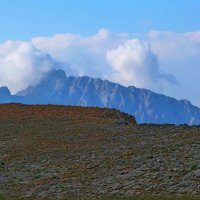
<point>146,106</point>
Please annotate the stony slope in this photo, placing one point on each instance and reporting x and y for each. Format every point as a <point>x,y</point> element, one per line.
<point>58,152</point>
<point>146,106</point>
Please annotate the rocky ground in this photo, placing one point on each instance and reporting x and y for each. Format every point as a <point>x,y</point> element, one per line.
<point>57,152</point>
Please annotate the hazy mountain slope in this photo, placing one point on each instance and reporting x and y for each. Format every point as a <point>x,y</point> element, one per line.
<point>5,95</point>
<point>146,106</point>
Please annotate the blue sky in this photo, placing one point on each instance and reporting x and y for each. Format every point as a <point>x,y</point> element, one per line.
<point>158,50</point>
<point>23,19</point>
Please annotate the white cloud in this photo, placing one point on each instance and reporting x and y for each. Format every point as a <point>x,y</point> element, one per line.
<point>174,46</point>
<point>21,65</point>
<point>85,55</point>
<point>134,63</point>
<point>141,60</point>
<point>179,53</point>
<point>100,54</point>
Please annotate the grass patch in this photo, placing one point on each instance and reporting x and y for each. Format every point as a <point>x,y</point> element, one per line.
<point>152,198</point>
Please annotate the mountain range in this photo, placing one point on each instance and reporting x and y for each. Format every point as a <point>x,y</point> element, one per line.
<point>145,105</point>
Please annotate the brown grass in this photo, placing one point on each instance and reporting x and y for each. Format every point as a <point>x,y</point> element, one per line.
<point>65,152</point>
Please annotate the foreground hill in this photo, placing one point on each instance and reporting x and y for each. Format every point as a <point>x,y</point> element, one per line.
<point>146,106</point>
<point>59,152</point>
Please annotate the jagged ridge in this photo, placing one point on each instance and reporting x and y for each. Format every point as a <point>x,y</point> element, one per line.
<point>146,106</point>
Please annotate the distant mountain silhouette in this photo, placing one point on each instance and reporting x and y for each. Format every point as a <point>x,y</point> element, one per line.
<point>146,106</point>
<point>5,95</point>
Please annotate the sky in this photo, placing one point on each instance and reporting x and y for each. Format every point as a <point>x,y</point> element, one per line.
<point>24,19</point>
<point>151,44</point>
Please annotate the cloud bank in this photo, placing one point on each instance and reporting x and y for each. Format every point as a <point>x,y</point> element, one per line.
<point>21,65</point>
<point>114,56</point>
<point>153,60</point>
<point>179,53</point>
<point>134,63</point>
